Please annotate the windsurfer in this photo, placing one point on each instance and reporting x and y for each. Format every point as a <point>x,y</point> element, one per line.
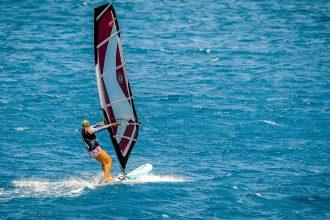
<point>94,149</point>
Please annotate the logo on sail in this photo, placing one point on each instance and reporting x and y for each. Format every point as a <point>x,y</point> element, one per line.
<point>120,78</point>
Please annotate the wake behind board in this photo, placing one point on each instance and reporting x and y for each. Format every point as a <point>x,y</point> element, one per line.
<point>136,173</point>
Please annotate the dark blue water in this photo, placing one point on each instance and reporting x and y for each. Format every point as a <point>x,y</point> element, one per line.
<point>233,97</point>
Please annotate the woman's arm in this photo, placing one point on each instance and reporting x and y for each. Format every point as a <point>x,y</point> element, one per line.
<point>100,128</point>
<point>98,125</point>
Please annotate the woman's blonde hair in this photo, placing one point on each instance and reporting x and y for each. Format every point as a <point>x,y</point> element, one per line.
<point>85,123</point>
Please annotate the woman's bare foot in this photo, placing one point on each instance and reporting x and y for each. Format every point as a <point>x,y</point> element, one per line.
<point>109,179</point>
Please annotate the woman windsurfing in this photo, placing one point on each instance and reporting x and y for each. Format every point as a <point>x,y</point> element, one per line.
<point>94,149</point>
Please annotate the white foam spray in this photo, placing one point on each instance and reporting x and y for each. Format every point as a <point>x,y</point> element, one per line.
<point>72,187</point>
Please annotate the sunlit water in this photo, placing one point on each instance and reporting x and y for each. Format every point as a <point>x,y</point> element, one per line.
<point>233,98</point>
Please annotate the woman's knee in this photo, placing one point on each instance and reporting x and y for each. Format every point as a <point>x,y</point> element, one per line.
<point>104,158</point>
<point>109,160</point>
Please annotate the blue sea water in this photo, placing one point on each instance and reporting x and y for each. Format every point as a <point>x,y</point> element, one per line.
<point>233,97</point>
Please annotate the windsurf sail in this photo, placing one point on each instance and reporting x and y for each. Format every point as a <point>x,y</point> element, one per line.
<point>112,82</point>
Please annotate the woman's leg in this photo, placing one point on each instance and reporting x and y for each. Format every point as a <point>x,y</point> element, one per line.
<point>106,162</point>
